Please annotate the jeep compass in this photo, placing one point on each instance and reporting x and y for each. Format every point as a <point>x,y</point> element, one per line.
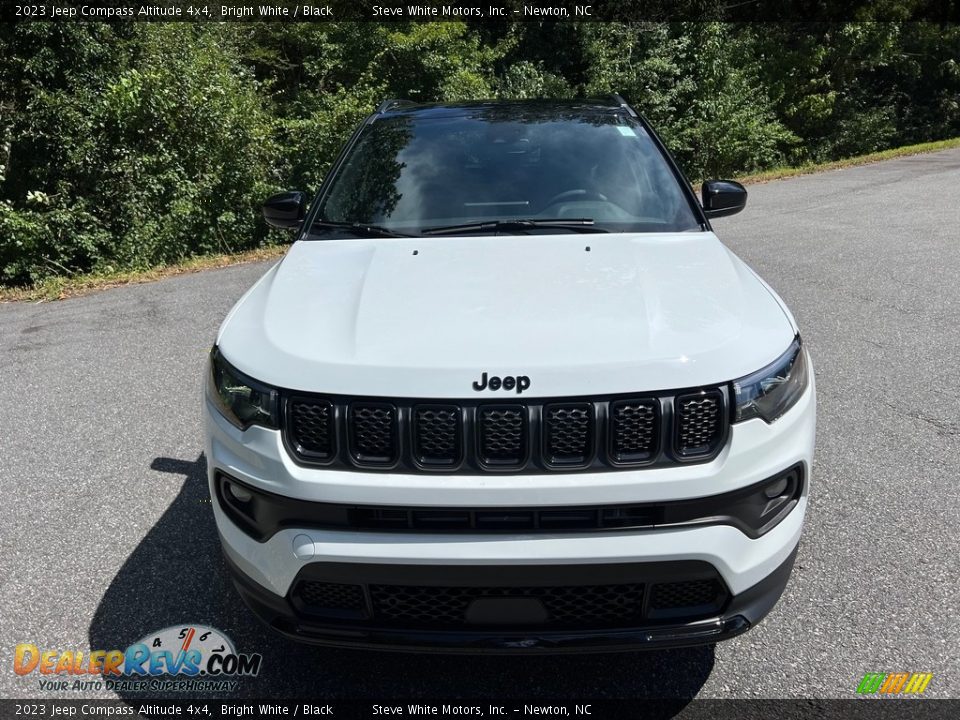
<point>508,392</point>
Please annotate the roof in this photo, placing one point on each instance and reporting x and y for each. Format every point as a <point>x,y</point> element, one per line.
<point>502,108</point>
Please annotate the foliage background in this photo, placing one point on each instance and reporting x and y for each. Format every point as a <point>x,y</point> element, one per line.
<point>125,146</point>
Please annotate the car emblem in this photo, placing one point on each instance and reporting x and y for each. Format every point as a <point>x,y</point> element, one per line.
<point>507,382</point>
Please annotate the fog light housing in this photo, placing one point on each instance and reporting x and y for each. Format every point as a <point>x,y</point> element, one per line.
<point>238,493</point>
<point>777,488</point>
<point>776,499</point>
<point>242,504</point>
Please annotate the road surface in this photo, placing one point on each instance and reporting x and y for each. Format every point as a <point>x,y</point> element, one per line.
<point>107,531</point>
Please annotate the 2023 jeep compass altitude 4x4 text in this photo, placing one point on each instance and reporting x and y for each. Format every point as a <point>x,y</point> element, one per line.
<point>508,392</point>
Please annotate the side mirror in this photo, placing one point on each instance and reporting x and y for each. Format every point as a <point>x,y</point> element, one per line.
<point>286,209</point>
<point>722,198</point>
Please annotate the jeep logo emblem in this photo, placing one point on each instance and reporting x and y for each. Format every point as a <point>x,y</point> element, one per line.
<point>520,382</point>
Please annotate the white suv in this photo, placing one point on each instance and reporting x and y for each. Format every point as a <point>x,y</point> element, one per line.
<point>507,391</point>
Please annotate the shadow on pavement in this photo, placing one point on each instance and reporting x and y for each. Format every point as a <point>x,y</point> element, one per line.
<point>176,576</point>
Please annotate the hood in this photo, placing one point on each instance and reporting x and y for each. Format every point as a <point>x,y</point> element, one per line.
<point>576,314</point>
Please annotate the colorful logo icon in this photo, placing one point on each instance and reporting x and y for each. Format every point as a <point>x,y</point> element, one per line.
<point>894,683</point>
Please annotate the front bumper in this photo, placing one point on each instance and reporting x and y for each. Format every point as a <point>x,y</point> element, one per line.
<point>752,572</point>
<point>751,575</point>
<point>740,612</point>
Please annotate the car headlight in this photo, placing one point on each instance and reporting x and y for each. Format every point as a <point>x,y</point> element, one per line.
<point>770,392</point>
<point>241,400</point>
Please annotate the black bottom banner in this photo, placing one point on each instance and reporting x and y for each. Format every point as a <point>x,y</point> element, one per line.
<point>854,709</point>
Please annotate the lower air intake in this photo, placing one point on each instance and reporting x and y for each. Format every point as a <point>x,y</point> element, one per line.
<point>573,605</point>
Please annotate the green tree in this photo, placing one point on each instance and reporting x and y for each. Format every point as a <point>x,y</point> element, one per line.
<point>162,153</point>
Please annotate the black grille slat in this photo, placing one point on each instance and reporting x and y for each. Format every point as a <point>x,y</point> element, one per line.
<point>313,428</point>
<point>629,517</point>
<point>476,437</point>
<point>373,433</point>
<point>639,516</point>
<point>502,435</point>
<point>699,424</point>
<point>565,605</point>
<point>568,519</point>
<point>437,435</point>
<point>505,520</point>
<point>441,519</point>
<point>634,430</point>
<point>568,434</point>
<point>381,518</point>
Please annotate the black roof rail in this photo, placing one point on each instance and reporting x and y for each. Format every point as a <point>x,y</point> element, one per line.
<point>618,100</point>
<point>391,103</point>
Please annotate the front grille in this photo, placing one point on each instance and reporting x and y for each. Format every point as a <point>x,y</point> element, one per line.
<point>373,433</point>
<point>571,605</point>
<point>634,430</point>
<point>531,436</point>
<point>313,428</point>
<point>437,435</point>
<point>618,604</point>
<point>699,422</point>
<point>502,437</point>
<point>568,433</point>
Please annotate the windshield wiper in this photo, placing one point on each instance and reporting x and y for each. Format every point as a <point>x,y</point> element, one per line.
<point>361,229</point>
<point>581,225</point>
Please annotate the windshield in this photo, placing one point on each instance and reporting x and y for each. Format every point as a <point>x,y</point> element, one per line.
<point>411,174</point>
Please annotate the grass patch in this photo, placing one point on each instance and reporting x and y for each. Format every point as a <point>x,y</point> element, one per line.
<point>788,172</point>
<point>58,288</point>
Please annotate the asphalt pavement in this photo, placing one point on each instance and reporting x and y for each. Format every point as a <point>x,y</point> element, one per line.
<point>107,531</point>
